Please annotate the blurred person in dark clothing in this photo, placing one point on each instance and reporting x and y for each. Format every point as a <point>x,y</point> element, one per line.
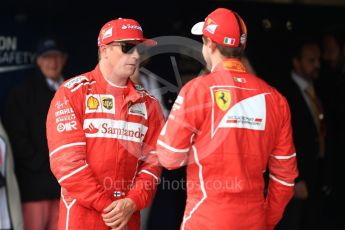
<point>332,72</point>
<point>332,94</point>
<point>309,123</point>
<point>333,48</point>
<point>24,119</point>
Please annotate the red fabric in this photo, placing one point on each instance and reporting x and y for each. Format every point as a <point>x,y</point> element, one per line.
<point>224,27</point>
<point>122,29</point>
<point>101,139</point>
<point>231,126</point>
<point>41,215</point>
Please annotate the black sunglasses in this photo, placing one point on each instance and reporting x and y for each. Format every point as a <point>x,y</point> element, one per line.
<point>128,48</point>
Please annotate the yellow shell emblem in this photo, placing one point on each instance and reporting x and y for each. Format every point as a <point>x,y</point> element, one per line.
<point>92,103</point>
<point>223,99</point>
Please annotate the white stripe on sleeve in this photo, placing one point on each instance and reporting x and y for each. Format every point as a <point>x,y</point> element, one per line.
<point>284,157</point>
<point>172,149</point>
<point>149,173</point>
<point>72,173</point>
<point>281,182</point>
<point>66,146</point>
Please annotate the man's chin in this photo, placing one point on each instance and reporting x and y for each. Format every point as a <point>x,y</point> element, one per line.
<point>131,70</point>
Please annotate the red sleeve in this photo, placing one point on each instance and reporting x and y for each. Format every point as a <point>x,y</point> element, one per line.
<point>283,170</point>
<point>149,171</point>
<point>67,150</point>
<point>175,140</point>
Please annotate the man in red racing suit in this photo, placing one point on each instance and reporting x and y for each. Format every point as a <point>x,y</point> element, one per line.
<point>102,134</point>
<point>230,125</point>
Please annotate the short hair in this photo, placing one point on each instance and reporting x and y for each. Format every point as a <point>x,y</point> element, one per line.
<point>299,42</point>
<point>337,33</point>
<point>228,51</point>
<point>231,52</point>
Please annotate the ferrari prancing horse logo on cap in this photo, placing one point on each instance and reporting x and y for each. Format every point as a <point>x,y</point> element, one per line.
<point>223,99</point>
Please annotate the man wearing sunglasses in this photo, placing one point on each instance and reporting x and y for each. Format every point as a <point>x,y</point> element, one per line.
<point>101,133</point>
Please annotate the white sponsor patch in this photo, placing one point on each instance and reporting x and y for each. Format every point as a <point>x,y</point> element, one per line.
<point>133,27</point>
<point>211,28</point>
<point>117,129</point>
<point>71,83</point>
<point>64,115</point>
<point>246,113</point>
<point>179,100</point>
<point>139,87</point>
<point>65,118</point>
<point>68,126</point>
<point>240,79</point>
<point>108,33</point>
<point>138,109</point>
<point>229,41</point>
<point>62,104</point>
<point>63,112</point>
<point>249,113</point>
<point>243,38</point>
<point>100,103</point>
<point>176,107</point>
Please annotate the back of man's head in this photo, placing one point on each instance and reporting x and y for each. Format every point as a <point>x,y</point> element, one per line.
<point>227,29</point>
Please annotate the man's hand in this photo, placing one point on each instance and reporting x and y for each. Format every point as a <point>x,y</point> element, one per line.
<point>117,214</point>
<point>301,190</point>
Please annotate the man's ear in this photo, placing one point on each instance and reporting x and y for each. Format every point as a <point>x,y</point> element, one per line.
<point>64,58</point>
<point>102,51</point>
<point>211,45</point>
<point>38,61</point>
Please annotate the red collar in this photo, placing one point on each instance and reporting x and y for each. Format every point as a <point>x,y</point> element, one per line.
<point>230,64</point>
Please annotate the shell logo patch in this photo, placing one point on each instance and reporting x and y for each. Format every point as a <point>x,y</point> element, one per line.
<point>100,103</point>
<point>92,103</point>
<point>223,99</point>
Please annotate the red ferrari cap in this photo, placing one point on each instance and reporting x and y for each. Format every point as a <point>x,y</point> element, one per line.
<point>224,27</point>
<point>122,29</point>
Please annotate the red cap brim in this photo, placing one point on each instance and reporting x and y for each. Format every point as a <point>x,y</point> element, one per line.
<point>150,42</point>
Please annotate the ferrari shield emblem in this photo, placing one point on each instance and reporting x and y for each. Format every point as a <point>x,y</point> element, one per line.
<point>223,99</point>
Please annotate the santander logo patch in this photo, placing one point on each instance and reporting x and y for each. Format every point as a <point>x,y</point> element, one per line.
<point>108,128</point>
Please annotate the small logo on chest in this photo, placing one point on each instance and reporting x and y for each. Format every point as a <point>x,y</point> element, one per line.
<point>100,103</point>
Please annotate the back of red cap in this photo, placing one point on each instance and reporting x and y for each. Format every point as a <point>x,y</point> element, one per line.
<point>224,27</point>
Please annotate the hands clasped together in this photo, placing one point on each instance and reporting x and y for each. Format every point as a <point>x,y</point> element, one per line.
<point>117,214</point>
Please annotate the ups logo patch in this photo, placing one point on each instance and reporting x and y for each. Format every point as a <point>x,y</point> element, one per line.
<point>107,103</point>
